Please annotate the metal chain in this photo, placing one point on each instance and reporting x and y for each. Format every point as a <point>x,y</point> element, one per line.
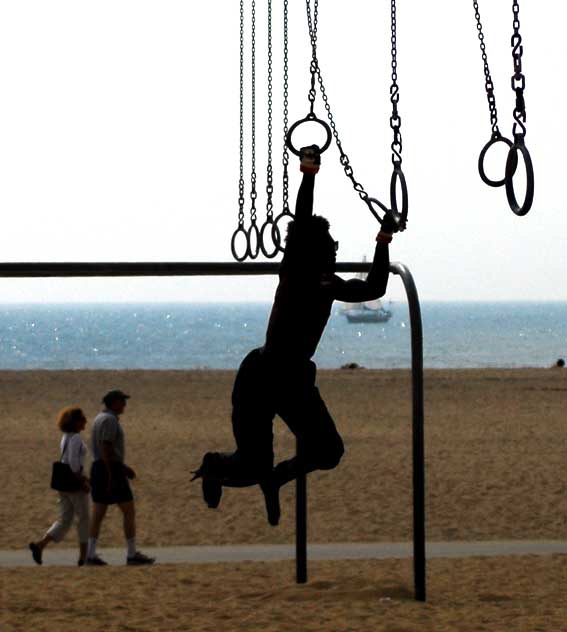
<point>269,231</point>
<point>488,84</point>
<point>240,234</point>
<point>286,214</point>
<point>253,193</point>
<point>518,79</point>
<point>241,178</point>
<point>344,159</point>
<point>285,157</point>
<point>269,169</point>
<point>314,65</point>
<point>395,119</point>
<point>518,146</point>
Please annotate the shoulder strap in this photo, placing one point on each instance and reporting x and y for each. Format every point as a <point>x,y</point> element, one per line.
<point>64,447</point>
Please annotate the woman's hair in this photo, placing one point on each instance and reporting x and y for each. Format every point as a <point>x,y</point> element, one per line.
<point>68,419</point>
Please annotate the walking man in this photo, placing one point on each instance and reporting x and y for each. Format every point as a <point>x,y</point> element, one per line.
<point>109,479</point>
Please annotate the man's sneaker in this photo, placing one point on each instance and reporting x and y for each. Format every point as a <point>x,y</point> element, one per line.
<point>95,561</point>
<point>271,491</point>
<point>211,486</point>
<point>36,552</point>
<point>139,559</point>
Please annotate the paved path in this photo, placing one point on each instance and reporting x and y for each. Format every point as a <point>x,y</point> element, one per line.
<point>55,556</point>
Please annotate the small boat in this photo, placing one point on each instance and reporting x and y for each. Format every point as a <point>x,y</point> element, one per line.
<point>367,312</point>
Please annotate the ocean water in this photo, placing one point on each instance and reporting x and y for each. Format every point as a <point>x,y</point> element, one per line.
<point>217,336</point>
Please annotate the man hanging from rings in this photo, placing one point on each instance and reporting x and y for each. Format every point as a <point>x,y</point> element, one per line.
<point>279,378</point>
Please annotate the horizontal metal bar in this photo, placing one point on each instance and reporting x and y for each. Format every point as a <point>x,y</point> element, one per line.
<point>152,268</point>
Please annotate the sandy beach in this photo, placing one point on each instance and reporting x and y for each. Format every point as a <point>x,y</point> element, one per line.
<point>495,458</point>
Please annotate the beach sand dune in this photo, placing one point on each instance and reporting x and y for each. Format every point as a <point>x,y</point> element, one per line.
<point>495,455</point>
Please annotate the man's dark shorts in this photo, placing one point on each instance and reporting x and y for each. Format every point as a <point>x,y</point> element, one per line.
<point>119,492</point>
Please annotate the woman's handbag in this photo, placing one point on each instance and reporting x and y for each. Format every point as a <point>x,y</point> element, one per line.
<point>63,478</point>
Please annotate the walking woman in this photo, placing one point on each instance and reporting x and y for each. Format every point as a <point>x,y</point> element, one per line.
<point>71,421</point>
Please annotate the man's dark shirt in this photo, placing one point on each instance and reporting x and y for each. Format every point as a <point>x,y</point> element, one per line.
<point>305,294</point>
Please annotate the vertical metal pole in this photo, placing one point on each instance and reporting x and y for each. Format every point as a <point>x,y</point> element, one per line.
<point>417,431</point>
<point>300,523</point>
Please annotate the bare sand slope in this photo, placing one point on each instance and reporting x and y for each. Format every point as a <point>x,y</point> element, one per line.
<point>495,449</point>
<point>519,594</point>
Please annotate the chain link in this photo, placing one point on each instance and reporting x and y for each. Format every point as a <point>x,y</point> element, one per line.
<point>241,150</point>
<point>316,70</point>
<point>518,79</point>
<point>518,83</point>
<point>488,84</point>
<point>314,65</point>
<point>395,119</point>
<point>285,156</point>
<point>269,169</point>
<point>253,193</point>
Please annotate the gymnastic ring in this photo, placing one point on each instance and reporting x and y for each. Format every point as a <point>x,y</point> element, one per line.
<point>276,232</point>
<point>400,217</point>
<point>393,214</point>
<point>496,138</point>
<point>253,233</point>
<point>511,164</point>
<point>370,202</point>
<point>313,119</point>
<point>240,229</point>
<point>269,222</point>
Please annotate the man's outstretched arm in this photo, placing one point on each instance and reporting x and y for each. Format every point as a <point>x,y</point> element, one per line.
<point>375,284</point>
<point>309,166</point>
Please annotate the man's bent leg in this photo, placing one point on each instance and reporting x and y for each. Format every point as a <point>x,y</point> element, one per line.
<point>252,415</point>
<point>128,519</point>
<point>133,556</point>
<point>321,446</point>
<point>271,491</point>
<point>98,513</point>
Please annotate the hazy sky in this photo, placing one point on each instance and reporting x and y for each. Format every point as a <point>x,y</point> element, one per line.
<point>119,141</point>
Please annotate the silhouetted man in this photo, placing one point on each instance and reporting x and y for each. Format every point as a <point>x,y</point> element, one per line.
<point>279,378</point>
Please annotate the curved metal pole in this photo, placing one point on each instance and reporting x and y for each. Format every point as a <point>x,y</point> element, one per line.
<point>417,430</point>
<point>157,268</point>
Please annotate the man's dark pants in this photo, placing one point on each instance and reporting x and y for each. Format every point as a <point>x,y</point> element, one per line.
<point>266,386</point>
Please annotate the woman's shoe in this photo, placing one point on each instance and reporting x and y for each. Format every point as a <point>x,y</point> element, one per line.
<point>36,553</point>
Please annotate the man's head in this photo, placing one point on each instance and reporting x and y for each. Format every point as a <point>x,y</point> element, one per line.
<point>322,246</point>
<point>115,401</point>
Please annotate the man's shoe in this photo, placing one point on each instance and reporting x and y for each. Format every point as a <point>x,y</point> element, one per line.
<point>139,559</point>
<point>211,485</point>
<point>36,553</point>
<point>271,493</point>
<point>212,492</point>
<point>95,561</point>
<point>80,562</point>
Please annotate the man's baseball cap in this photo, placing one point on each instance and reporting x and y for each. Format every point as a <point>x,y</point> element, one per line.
<point>112,396</point>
